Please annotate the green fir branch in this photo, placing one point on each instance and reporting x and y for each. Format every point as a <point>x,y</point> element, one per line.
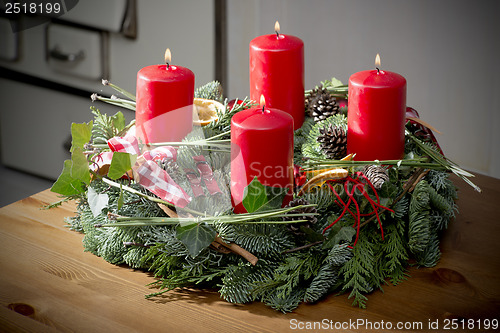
<point>240,281</point>
<point>302,266</point>
<point>106,127</point>
<point>223,122</point>
<point>395,254</point>
<point>358,272</point>
<point>338,255</point>
<point>211,90</point>
<point>321,283</point>
<point>430,256</point>
<point>263,240</point>
<point>419,231</point>
<point>282,303</point>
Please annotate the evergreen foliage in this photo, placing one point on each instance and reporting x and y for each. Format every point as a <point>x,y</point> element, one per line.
<point>240,281</point>
<point>284,303</point>
<point>263,240</point>
<point>327,276</point>
<point>338,255</point>
<point>211,90</point>
<point>223,122</point>
<point>106,127</point>
<point>322,197</point>
<point>321,283</point>
<point>300,138</point>
<point>429,212</point>
<point>290,269</point>
<point>395,253</point>
<point>358,272</point>
<point>430,256</point>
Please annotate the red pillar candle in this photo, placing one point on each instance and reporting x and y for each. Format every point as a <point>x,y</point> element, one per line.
<point>376,115</point>
<point>164,109</point>
<point>277,72</point>
<point>262,147</point>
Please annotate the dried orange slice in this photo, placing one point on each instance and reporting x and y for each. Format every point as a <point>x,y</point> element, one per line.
<point>205,111</point>
<point>323,176</point>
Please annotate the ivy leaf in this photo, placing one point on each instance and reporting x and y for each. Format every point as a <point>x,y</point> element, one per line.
<point>334,82</point>
<point>80,135</point>
<point>65,184</point>
<point>80,166</point>
<point>311,235</point>
<point>75,173</point>
<point>120,164</point>
<point>195,237</point>
<point>388,190</point>
<point>275,196</point>
<point>254,196</point>
<point>385,201</point>
<point>118,121</point>
<point>258,197</point>
<point>344,234</point>
<point>97,201</point>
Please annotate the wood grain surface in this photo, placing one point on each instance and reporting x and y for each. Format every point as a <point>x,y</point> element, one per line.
<point>48,284</point>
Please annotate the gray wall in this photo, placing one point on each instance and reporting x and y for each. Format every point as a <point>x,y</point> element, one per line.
<point>447,49</point>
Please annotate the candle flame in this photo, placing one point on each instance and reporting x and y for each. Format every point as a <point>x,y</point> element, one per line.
<point>262,101</point>
<point>277,27</point>
<point>168,56</point>
<point>377,60</point>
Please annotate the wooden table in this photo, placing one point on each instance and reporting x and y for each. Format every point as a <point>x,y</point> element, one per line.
<point>47,282</point>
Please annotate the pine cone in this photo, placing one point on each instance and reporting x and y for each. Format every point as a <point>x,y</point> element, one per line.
<point>312,96</point>
<point>321,104</point>
<point>376,174</point>
<point>333,141</point>
<point>311,220</point>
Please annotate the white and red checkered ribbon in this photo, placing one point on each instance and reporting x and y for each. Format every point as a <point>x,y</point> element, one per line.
<point>161,153</point>
<point>158,181</point>
<point>148,173</point>
<point>207,174</point>
<point>126,144</point>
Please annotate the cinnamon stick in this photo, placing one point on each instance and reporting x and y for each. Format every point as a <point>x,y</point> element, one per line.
<point>419,178</point>
<point>167,210</point>
<point>238,250</point>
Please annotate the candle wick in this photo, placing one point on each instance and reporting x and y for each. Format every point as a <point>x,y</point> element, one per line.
<point>263,106</point>
<point>378,70</point>
<point>277,34</point>
<point>168,65</point>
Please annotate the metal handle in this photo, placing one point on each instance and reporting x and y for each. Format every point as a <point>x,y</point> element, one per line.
<point>57,54</point>
<point>129,24</point>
